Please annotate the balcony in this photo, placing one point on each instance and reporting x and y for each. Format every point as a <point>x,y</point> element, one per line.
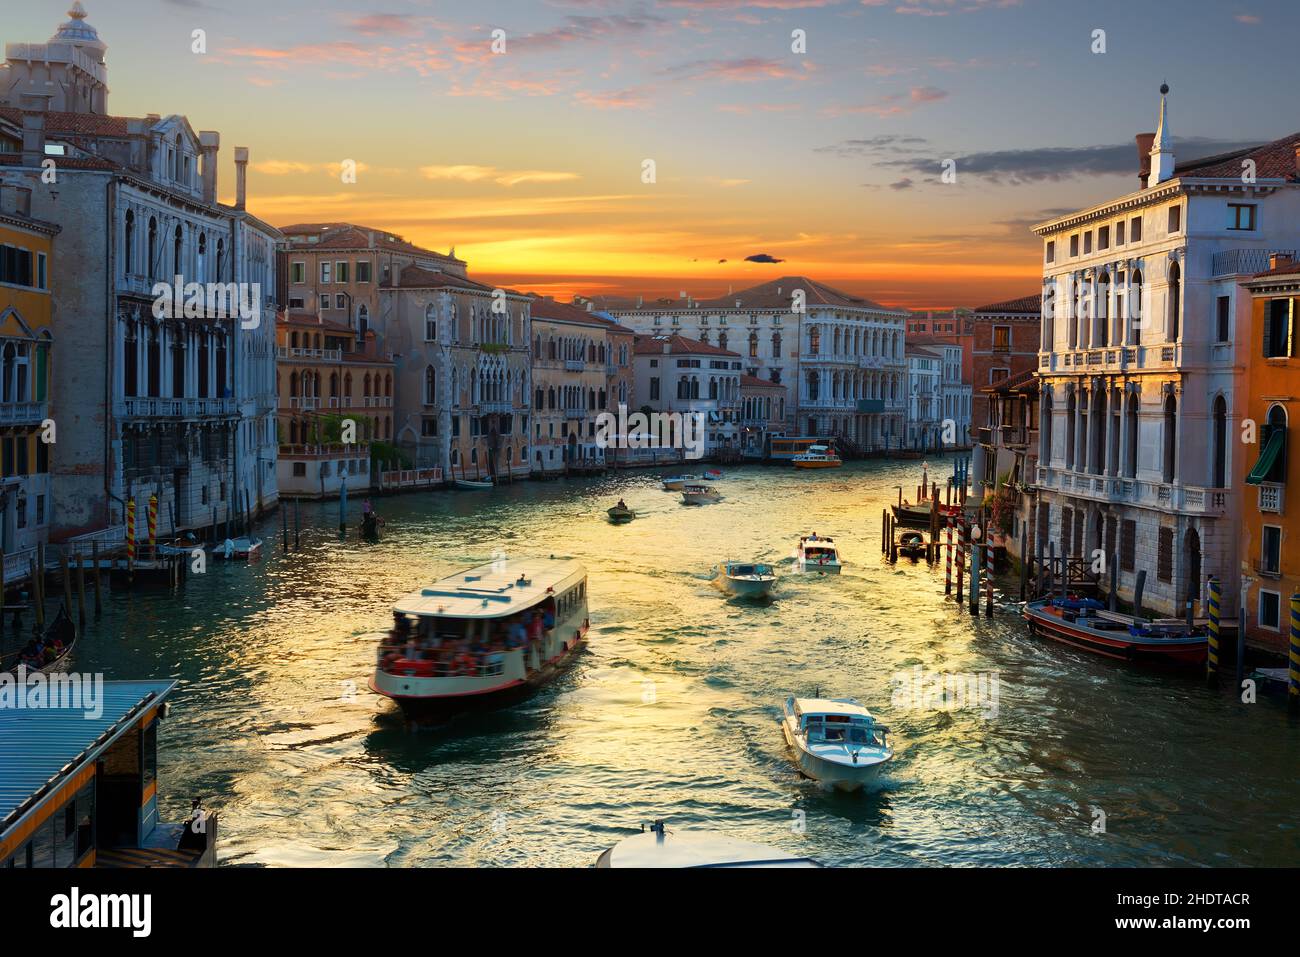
<point>575,413</point>
<point>488,408</point>
<point>1184,499</point>
<point>304,402</point>
<point>314,355</point>
<point>153,407</point>
<point>23,413</point>
<point>1270,498</point>
<point>574,365</point>
<point>377,402</point>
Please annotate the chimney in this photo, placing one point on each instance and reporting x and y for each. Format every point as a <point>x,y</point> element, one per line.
<point>33,130</point>
<point>1144,141</point>
<point>1278,260</point>
<point>241,177</point>
<point>209,144</point>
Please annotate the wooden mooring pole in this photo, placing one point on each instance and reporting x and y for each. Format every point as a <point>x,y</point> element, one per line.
<point>81,594</point>
<point>94,555</point>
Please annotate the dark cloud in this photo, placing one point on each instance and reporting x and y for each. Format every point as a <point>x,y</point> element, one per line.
<point>904,183</point>
<point>884,144</point>
<point>762,258</point>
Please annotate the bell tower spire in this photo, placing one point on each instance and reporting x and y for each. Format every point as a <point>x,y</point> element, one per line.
<point>1162,150</point>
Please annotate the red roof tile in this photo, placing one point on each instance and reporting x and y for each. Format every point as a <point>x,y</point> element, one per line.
<point>1275,160</point>
<point>350,236</point>
<point>778,293</point>
<point>1026,304</point>
<point>678,346</point>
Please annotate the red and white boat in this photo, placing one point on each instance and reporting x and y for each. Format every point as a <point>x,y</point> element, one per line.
<point>483,638</point>
<point>1085,623</point>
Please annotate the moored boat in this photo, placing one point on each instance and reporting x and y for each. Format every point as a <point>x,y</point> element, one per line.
<point>50,652</point>
<point>473,485</point>
<point>661,847</point>
<point>700,494</point>
<point>745,579</point>
<point>238,548</point>
<point>835,741</point>
<point>1085,623</point>
<point>911,544</point>
<point>817,555</point>
<point>483,638</point>
<point>817,457</point>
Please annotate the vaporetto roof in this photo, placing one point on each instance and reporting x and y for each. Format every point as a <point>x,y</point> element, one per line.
<point>494,590</point>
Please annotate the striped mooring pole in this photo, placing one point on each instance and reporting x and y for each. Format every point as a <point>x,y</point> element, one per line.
<point>947,574</point>
<point>130,532</point>
<point>1293,698</point>
<point>153,524</point>
<point>988,578</point>
<point>1212,658</point>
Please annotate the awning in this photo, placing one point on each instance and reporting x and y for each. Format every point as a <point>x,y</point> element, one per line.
<point>1268,457</point>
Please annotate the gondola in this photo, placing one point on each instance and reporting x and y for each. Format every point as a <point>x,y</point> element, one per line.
<point>62,629</point>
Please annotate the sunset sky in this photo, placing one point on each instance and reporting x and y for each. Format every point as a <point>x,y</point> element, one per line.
<point>530,162</point>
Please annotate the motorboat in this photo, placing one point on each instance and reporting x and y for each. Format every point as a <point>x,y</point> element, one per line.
<point>700,494</point>
<point>234,549</point>
<point>817,555</point>
<point>620,514</point>
<point>918,516</point>
<point>474,484</point>
<point>745,579</point>
<point>817,457</point>
<point>661,847</point>
<point>1086,623</point>
<point>677,482</point>
<point>483,638</point>
<point>835,741</point>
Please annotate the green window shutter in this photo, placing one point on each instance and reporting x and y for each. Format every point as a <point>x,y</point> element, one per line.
<point>1268,458</point>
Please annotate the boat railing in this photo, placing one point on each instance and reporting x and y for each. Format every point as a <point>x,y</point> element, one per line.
<point>442,663</point>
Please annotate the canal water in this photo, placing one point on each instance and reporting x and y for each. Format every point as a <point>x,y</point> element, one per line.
<point>672,711</point>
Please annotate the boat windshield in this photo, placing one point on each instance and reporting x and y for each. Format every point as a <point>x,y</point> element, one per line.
<point>443,646</point>
<point>819,553</point>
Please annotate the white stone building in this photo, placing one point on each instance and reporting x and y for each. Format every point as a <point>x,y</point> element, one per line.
<point>839,356</point>
<point>1142,327</point>
<point>676,374</point>
<point>924,396</point>
<point>177,405</point>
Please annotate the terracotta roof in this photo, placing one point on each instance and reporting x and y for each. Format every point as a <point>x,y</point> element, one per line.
<point>754,382</point>
<point>65,162</point>
<point>1289,268</point>
<point>778,293</point>
<point>678,345</point>
<point>921,349</point>
<point>1026,304</point>
<point>544,308</point>
<point>349,236</point>
<point>417,277</point>
<point>1275,160</point>
<point>310,320</point>
<point>78,124</point>
<point>1025,382</point>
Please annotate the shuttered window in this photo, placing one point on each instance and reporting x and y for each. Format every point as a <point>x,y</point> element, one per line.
<point>1165,555</point>
<point>1128,545</point>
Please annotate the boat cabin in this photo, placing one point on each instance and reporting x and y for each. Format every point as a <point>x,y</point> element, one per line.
<point>79,784</point>
<point>839,722</point>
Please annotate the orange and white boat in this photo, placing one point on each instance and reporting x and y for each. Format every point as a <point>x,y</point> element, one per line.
<point>483,638</point>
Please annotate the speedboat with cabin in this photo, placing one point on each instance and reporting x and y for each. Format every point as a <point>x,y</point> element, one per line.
<point>817,555</point>
<point>661,847</point>
<point>238,548</point>
<point>676,482</point>
<point>817,457</point>
<point>1086,623</point>
<point>835,741</point>
<point>483,638</point>
<point>700,494</point>
<point>745,579</point>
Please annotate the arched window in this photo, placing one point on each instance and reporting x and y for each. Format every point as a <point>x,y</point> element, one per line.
<point>1136,304</point>
<point>1175,301</point>
<point>363,321</point>
<point>1220,443</point>
<point>1170,439</point>
<point>129,245</point>
<point>1045,430</point>
<point>1131,436</point>
<point>152,250</point>
<point>1070,426</point>
<point>178,252</point>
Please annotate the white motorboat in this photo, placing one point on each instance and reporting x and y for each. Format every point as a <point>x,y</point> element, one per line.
<point>700,494</point>
<point>745,579</point>
<point>660,847</point>
<point>817,555</point>
<point>472,484</point>
<point>677,482</point>
<point>485,637</point>
<point>237,548</point>
<point>835,741</point>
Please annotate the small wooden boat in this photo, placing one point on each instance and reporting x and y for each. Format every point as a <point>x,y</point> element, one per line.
<point>370,525</point>
<point>835,741</point>
<point>700,495</point>
<point>1085,623</point>
<point>474,485</point>
<point>817,457</point>
<point>620,514</point>
<point>56,646</point>
<point>678,482</point>
<point>745,579</point>
<point>238,548</point>
<point>712,475</point>
<point>660,847</point>
<point>918,516</point>
<point>912,544</point>
<point>817,555</point>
